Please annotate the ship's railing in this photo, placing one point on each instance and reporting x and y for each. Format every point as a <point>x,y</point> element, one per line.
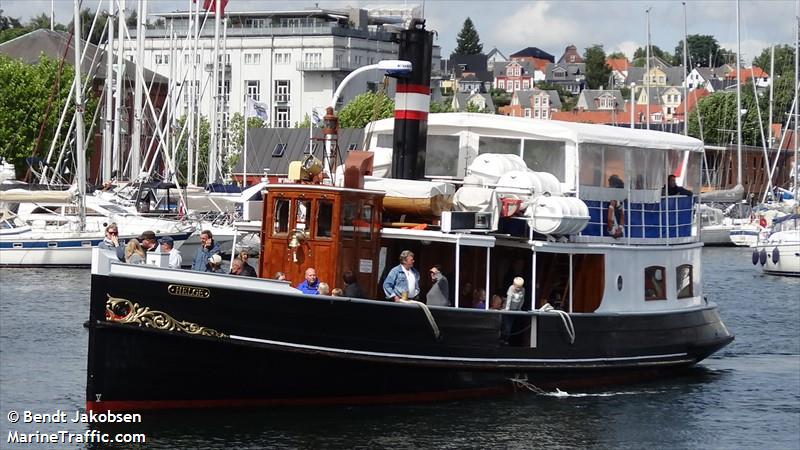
<point>669,218</point>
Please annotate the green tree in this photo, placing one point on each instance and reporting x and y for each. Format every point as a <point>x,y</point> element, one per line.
<point>617,55</point>
<point>99,34</point>
<point>365,108</point>
<point>784,61</point>
<point>500,97</point>
<point>7,23</point>
<point>10,28</point>
<point>718,113</point>
<point>469,43</point>
<point>640,56</point>
<point>25,103</point>
<point>703,50</point>
<point>443,107</point>
<point>204,136</point>
<point>597,72</point>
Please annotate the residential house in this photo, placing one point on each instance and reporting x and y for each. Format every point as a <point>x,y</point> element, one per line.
<point>699,77</point>
<point>690,103</point>
<point>571,56</point>
<point>57,45</point>
<point>762,79</point>
<point>493,57</point>
<point>480,101</point>
<point>514,76</point>
<point>619,71</point>
<point>616,117</point>
<point>600,100</point>
<point>664,99</point>
<point>571,77</point>
<point>534,103</point>
<point>470,73</point>
<point>537,58</point>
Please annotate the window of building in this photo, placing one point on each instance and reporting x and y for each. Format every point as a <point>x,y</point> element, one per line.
<point>536,114</point>
<point>536,101</point>
<point>282,117</point>
<point>684,281</point>
<point>282,91</point>
<point>313,60</point>
<point>283,58</point>
<point>544,113</point>
<point>252,58</point>
<point>527,112</point>
<point>279,150</point>
<point>352,146</point>
<point>255,23</point>
<point>526,84</point>
<point>516,85</point>
<point>655,285</point>
<point>501,84</point>
<point>254,89</point>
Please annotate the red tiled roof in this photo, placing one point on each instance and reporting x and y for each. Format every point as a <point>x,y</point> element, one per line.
<point>747,73</point>
<point>619,64</point>
<point>692,97</point>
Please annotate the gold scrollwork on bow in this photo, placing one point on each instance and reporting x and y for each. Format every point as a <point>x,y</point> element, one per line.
<point>124,311</point>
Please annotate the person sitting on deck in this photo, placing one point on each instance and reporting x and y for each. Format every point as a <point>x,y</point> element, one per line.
<point>351,287</point>
<point>672,187</point>
<point>480,299</point>
<point>111,242</point>
<point>247,269</point>
<point>168,246</point>
<point>496,303</point>
<point>214,264</point>
<point>134,252</point>
<point>402,283</point>
<point>148,241</point>
<point>311,284</point>
<point>239,267</point>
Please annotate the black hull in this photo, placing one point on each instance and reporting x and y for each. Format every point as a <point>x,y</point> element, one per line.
<point>287,349</point>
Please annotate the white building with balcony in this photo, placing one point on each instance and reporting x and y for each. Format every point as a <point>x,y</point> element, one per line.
<point>290,60</point>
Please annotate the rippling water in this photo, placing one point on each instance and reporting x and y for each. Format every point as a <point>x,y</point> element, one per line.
<point>746,396</point>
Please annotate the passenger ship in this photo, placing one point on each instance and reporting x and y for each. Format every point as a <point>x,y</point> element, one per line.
<point>495,190</point>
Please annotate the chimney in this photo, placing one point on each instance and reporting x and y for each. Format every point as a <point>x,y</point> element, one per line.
<point>412,101</point>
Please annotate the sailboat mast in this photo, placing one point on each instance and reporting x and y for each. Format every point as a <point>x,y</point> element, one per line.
<point>211,175</point>
<point>738,101</point>
<point>647,69</point>
<point>796,85</point>
<point>120,91</point>
<point>136,146</point>
<point>108,134</point>
<point>685,70</point>
<point>80,154</point>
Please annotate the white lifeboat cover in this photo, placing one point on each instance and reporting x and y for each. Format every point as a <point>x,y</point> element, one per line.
<point>528,181</point>
<point>491,166</point>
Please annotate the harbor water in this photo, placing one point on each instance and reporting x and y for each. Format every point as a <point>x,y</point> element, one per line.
<point>746,396</point>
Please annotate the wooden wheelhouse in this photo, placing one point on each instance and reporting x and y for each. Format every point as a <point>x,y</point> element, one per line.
<point>328,228</point>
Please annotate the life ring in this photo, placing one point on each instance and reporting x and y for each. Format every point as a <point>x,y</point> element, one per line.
<point>762,257</point>
<point>776,255</point>
<point>755,257</point>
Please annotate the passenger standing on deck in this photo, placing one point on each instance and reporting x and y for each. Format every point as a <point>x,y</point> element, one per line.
<point>515,295</point>
<point>247,269</point>
<point>168,246</point>
<point>615,221</point>
<point>402,283</point>
<point>311,284</point>
<point>351,287</point>
<point>439,294</point>
<point>111,241</point>
<point>207,249</point>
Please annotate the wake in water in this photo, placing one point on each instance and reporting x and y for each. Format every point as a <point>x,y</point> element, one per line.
<point>525,384</point>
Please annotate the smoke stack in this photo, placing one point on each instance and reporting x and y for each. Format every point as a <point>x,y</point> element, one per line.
<point>411,104</point>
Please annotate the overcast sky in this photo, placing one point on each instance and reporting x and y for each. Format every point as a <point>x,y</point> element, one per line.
<point>548,25</point>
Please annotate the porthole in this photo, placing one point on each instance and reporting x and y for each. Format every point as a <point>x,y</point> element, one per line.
<point>619,282</point>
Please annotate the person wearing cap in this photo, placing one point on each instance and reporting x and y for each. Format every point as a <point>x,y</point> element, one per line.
<point>148,241</point>
<point>168,246</point>
<point>208,248</point>
<point>111,242</point>
<point>214,264</point>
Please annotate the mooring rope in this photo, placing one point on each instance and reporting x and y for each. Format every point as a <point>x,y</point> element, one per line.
<point>428,315</point>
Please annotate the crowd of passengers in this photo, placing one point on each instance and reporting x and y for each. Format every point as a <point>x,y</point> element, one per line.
<point>206,259</point>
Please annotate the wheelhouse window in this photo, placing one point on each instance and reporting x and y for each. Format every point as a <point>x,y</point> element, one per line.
<point>654,283</point>
<point>324,218</point>
<point>545,156</point>
<point>498,145</point>
<point>439,160</point>
<point>364,224</point>
<point>302,211</point>
<point>280,216</point>
<point>684,281</point>
<point>349,215</point>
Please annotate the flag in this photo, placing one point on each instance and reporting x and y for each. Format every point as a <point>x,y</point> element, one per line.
<point>210,5</point>
<point>256,109</point>
<point>316,118</point>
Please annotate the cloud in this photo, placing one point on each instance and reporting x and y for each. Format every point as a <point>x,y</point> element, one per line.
<point>534,25</point>
<point>626,47</point>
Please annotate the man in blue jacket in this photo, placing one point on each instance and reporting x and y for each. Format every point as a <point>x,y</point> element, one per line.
<point>207,248</point>
<point>311,284</point>
<point>402,283</point>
